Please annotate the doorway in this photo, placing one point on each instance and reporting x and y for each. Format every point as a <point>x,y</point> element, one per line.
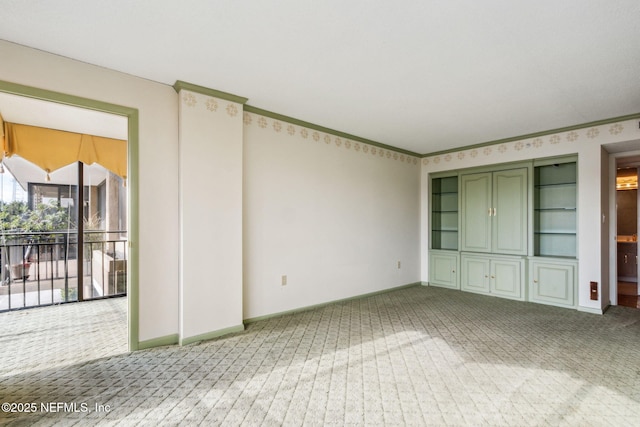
<point>44,104</point>
<point>628,293</point>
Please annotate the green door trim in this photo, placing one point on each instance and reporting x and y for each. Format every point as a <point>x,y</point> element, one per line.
<point>132,182</point>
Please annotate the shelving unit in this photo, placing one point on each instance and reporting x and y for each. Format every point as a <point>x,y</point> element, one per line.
<point>555,210</point>
<point>444,213</point>
<point>507,230</point>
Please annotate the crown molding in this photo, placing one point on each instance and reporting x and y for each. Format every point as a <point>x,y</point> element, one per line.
<point>537,134</point>
<point>287,119</point>
<point>180,85</point>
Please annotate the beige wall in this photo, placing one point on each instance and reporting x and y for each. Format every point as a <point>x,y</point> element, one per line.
<point>210,216</point>
<point>333,215</point>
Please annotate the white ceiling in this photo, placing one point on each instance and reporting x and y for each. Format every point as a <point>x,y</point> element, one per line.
<point>422,75</point>
<point>35,112</point>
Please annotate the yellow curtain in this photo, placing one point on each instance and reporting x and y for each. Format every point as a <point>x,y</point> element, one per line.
<point>52,149</point>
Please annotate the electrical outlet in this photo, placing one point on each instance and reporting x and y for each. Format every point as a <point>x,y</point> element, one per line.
<point>398,264</point>
<point>284,280</point>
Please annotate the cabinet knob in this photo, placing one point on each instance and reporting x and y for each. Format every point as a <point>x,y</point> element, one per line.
<point>493,277</point>
<point>535,281</point>
<point>453,271</point>
<point>485,276</point>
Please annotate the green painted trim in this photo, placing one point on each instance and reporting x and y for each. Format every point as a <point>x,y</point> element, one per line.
<point>518,164</point>
<point>211,335</point>
<point>132,182</point>
<point>260,111</point>
<point>159,342</point>
<point>324,304</point>
<point>180,85</point>
<point>63,98</point>
<point>444,174</point>
<point>537,134</point>
<point>546,161</point>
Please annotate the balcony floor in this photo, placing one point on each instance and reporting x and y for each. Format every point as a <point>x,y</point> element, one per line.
<point>29,293</point>
<point>62,335</point>
<point>26,294</point>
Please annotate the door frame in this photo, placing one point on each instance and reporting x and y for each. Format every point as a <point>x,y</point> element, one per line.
<point>132,184</point>
<point>613,220</point>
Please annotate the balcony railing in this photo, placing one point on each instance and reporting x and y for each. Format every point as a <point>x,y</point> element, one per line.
<point>42,268</point>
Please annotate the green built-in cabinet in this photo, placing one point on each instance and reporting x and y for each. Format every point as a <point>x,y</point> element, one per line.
<point>443,269</point>
<point>494,212</point>
<point>553,270</point>
<point>493,274</point>
<point>555,210</point>
<point>553,281</point>
<point>512,231</point>
<point>444,223</point>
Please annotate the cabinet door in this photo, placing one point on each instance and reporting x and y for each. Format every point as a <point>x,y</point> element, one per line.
<point>506,278</point>
<point>443,270</point>
<point>475,274</point>
<point>510,216</point>
<point>475,212</point>
<point>552,283</point>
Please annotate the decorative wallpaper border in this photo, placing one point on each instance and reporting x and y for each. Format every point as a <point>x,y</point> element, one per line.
<point>211,104</point>
<point>190,100</point>
<point>281,127</point>
<point>215,105</point>
<point>601,133</point>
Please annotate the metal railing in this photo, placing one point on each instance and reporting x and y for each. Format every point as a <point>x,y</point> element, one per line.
<point>42,268</point>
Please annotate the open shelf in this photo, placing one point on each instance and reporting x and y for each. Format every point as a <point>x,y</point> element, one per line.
<point>555,210</point>
<point>444,213</point>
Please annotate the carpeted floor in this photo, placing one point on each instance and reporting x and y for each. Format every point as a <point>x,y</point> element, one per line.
<point>416,356</point>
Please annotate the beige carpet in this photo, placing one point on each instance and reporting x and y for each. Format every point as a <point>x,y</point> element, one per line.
<point>417,356</point>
